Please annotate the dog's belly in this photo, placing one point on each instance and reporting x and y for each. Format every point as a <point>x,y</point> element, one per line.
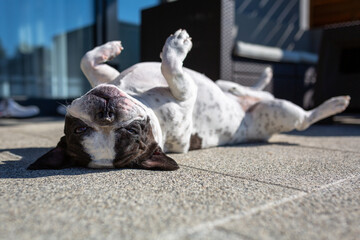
<point>140,78</point>
<point>216,116</point>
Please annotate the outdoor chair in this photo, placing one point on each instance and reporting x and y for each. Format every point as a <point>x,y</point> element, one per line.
<point>218,55</point>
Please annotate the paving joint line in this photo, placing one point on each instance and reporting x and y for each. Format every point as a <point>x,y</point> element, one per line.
<point>245,178</point>
<point>180,234</point>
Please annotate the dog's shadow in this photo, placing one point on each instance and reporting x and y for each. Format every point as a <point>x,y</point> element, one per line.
<point>255,144</point>
<point>21,158</point>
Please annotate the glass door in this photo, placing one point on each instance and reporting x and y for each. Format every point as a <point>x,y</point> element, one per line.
<point>41,44</point>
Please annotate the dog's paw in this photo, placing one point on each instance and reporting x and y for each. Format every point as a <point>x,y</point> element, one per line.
<point>337,104</point>
<point>177,45</point>
<point>110,50</point>
<point>267,74</point>
<point>265,78</point>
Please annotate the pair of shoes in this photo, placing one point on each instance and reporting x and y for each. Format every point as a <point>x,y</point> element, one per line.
<point>11,109</point>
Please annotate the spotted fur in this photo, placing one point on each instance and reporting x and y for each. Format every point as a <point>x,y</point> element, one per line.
<point>130,119</point>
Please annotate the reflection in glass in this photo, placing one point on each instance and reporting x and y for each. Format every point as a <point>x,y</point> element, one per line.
<point>41,44</point>
<point>129,17</point>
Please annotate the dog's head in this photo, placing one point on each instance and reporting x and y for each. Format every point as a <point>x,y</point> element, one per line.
<point>106,128</point>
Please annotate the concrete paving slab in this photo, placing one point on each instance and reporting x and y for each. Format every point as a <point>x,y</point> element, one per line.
<point>12,140</point>
<point>18,131</point>
<point>122,204</point>
<point>8,122</point>
<point>212,188</point>
<point>289,166</point>
<point>337,137</point>
<point>331,212</point>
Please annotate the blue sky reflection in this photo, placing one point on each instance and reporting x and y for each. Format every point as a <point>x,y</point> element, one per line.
<point>31,23</point>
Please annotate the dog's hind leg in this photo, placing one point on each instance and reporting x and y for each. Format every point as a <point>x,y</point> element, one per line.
<point>173,54</point>
<point>254,91</point>
<point>93,63</point>
<point>269,117</point>
<point>264,80</point>
<point>242,91</point>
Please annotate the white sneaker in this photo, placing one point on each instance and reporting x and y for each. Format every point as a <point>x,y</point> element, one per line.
<point>11,109</point>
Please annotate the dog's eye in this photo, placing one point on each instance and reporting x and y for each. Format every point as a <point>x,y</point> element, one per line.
<point>132,130</point>
<point>80,130</point>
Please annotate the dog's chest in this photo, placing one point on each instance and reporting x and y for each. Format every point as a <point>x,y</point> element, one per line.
<point>176,124</point>
<point>213,118</point>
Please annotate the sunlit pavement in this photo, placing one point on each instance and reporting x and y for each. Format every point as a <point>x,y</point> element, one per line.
<point>302,185</point>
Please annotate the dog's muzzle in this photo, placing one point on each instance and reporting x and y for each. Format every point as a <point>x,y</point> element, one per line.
<point>109,105</point>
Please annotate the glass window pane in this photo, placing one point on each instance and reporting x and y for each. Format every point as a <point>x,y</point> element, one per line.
<point>129,17</point>
<point>41,44</point>
<point>130,11</point>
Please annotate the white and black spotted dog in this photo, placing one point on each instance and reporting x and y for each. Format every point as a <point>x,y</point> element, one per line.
<point>130,119</point>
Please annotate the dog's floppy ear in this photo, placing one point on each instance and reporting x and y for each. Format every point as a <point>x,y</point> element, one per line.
<point>158,160</point>
<point>54,159</point>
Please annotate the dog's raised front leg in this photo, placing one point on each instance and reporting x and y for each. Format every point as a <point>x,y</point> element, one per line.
<point>173,54</point>
<point>93,63</point>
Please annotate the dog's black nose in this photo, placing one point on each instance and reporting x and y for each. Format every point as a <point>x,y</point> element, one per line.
<point>105,117</point>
